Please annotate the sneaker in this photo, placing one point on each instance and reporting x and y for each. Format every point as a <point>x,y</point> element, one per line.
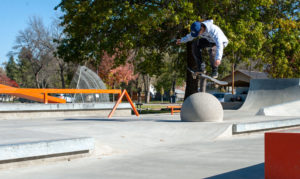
<point>215,74</point>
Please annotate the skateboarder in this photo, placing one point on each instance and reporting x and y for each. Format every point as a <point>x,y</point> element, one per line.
<point>213,38</point>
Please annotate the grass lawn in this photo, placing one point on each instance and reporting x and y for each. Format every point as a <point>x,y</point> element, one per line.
<point>155,108</point>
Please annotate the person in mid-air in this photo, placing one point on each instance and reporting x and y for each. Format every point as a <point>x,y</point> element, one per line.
<point>212,37</point>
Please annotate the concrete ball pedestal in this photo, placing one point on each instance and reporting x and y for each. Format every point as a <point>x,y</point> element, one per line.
<point>201,107</point>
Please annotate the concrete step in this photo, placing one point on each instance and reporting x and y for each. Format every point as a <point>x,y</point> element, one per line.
<point>20,145</point>
<point>247,127</point>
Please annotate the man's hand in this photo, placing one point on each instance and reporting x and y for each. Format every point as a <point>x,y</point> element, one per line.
<point>178,41</point>
<point>217,63</point>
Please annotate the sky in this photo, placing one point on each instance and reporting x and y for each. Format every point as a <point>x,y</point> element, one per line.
<point>14,17</point>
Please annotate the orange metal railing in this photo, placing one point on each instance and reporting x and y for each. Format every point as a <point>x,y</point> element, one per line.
<point>119,101</point>
<point>173,109</point>
<point>34,94</point>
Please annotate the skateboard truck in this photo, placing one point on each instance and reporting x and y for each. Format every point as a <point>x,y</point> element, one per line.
<point>195,74</point>
<point>202,75</point>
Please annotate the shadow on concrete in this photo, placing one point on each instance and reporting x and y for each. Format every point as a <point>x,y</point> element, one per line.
<point>100,120</point>
<point>255,171</point>
<point>118,120</point>
<point>167,121</point>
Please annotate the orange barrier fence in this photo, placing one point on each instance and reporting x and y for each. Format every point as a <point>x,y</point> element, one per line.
<point>173,109</point>
<point>119,101</point>
<point>34,94</point>
<point>282,155</point>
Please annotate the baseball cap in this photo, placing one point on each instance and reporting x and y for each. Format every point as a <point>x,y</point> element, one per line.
<point>195,29</point>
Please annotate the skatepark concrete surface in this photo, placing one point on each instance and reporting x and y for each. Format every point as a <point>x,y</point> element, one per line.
<point>149,146</point>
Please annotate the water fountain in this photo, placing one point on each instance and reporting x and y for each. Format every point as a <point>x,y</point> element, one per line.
<point>85,78</point>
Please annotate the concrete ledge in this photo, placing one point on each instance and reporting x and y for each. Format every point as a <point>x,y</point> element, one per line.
<point>64,114</point>
<point>13,107</point>
<point>27,111</point>
<point>15,151</point>
<point>263,125</point>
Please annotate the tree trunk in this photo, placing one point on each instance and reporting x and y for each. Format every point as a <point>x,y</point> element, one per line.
<point>147,80</point>
<point>113,96</point>
<point>191,84</point>
<point>173,85</point>
<point>36,76</point>
<point>139,96</point>
<point>162,92</point>
<point>232,75</point>
<point>62,76</point>
<point>148,95</point>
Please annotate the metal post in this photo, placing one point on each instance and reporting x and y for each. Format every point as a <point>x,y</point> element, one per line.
<point>232,75</point>
<point>203,85</point>
<point>46,98</point>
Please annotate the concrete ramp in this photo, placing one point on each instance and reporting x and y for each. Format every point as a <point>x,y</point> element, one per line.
<point>269,92</point>
<point>285,109</point>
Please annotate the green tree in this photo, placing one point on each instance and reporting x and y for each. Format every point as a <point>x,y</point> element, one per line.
<point>12,69</point>
<point>171,75</point>
<point>148,28</point>
<point>27,79</point>
<point>282,47</point>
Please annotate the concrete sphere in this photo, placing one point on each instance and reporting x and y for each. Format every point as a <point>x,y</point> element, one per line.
<point>201,107</point>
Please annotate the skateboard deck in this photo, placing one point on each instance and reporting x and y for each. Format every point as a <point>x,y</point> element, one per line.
<point>202,75</point>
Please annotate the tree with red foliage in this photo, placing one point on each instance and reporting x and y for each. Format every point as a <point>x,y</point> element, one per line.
<point>7,81</point>
<point>113,75</point>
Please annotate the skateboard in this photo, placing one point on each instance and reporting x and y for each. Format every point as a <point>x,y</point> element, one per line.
<point>202,75</point>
